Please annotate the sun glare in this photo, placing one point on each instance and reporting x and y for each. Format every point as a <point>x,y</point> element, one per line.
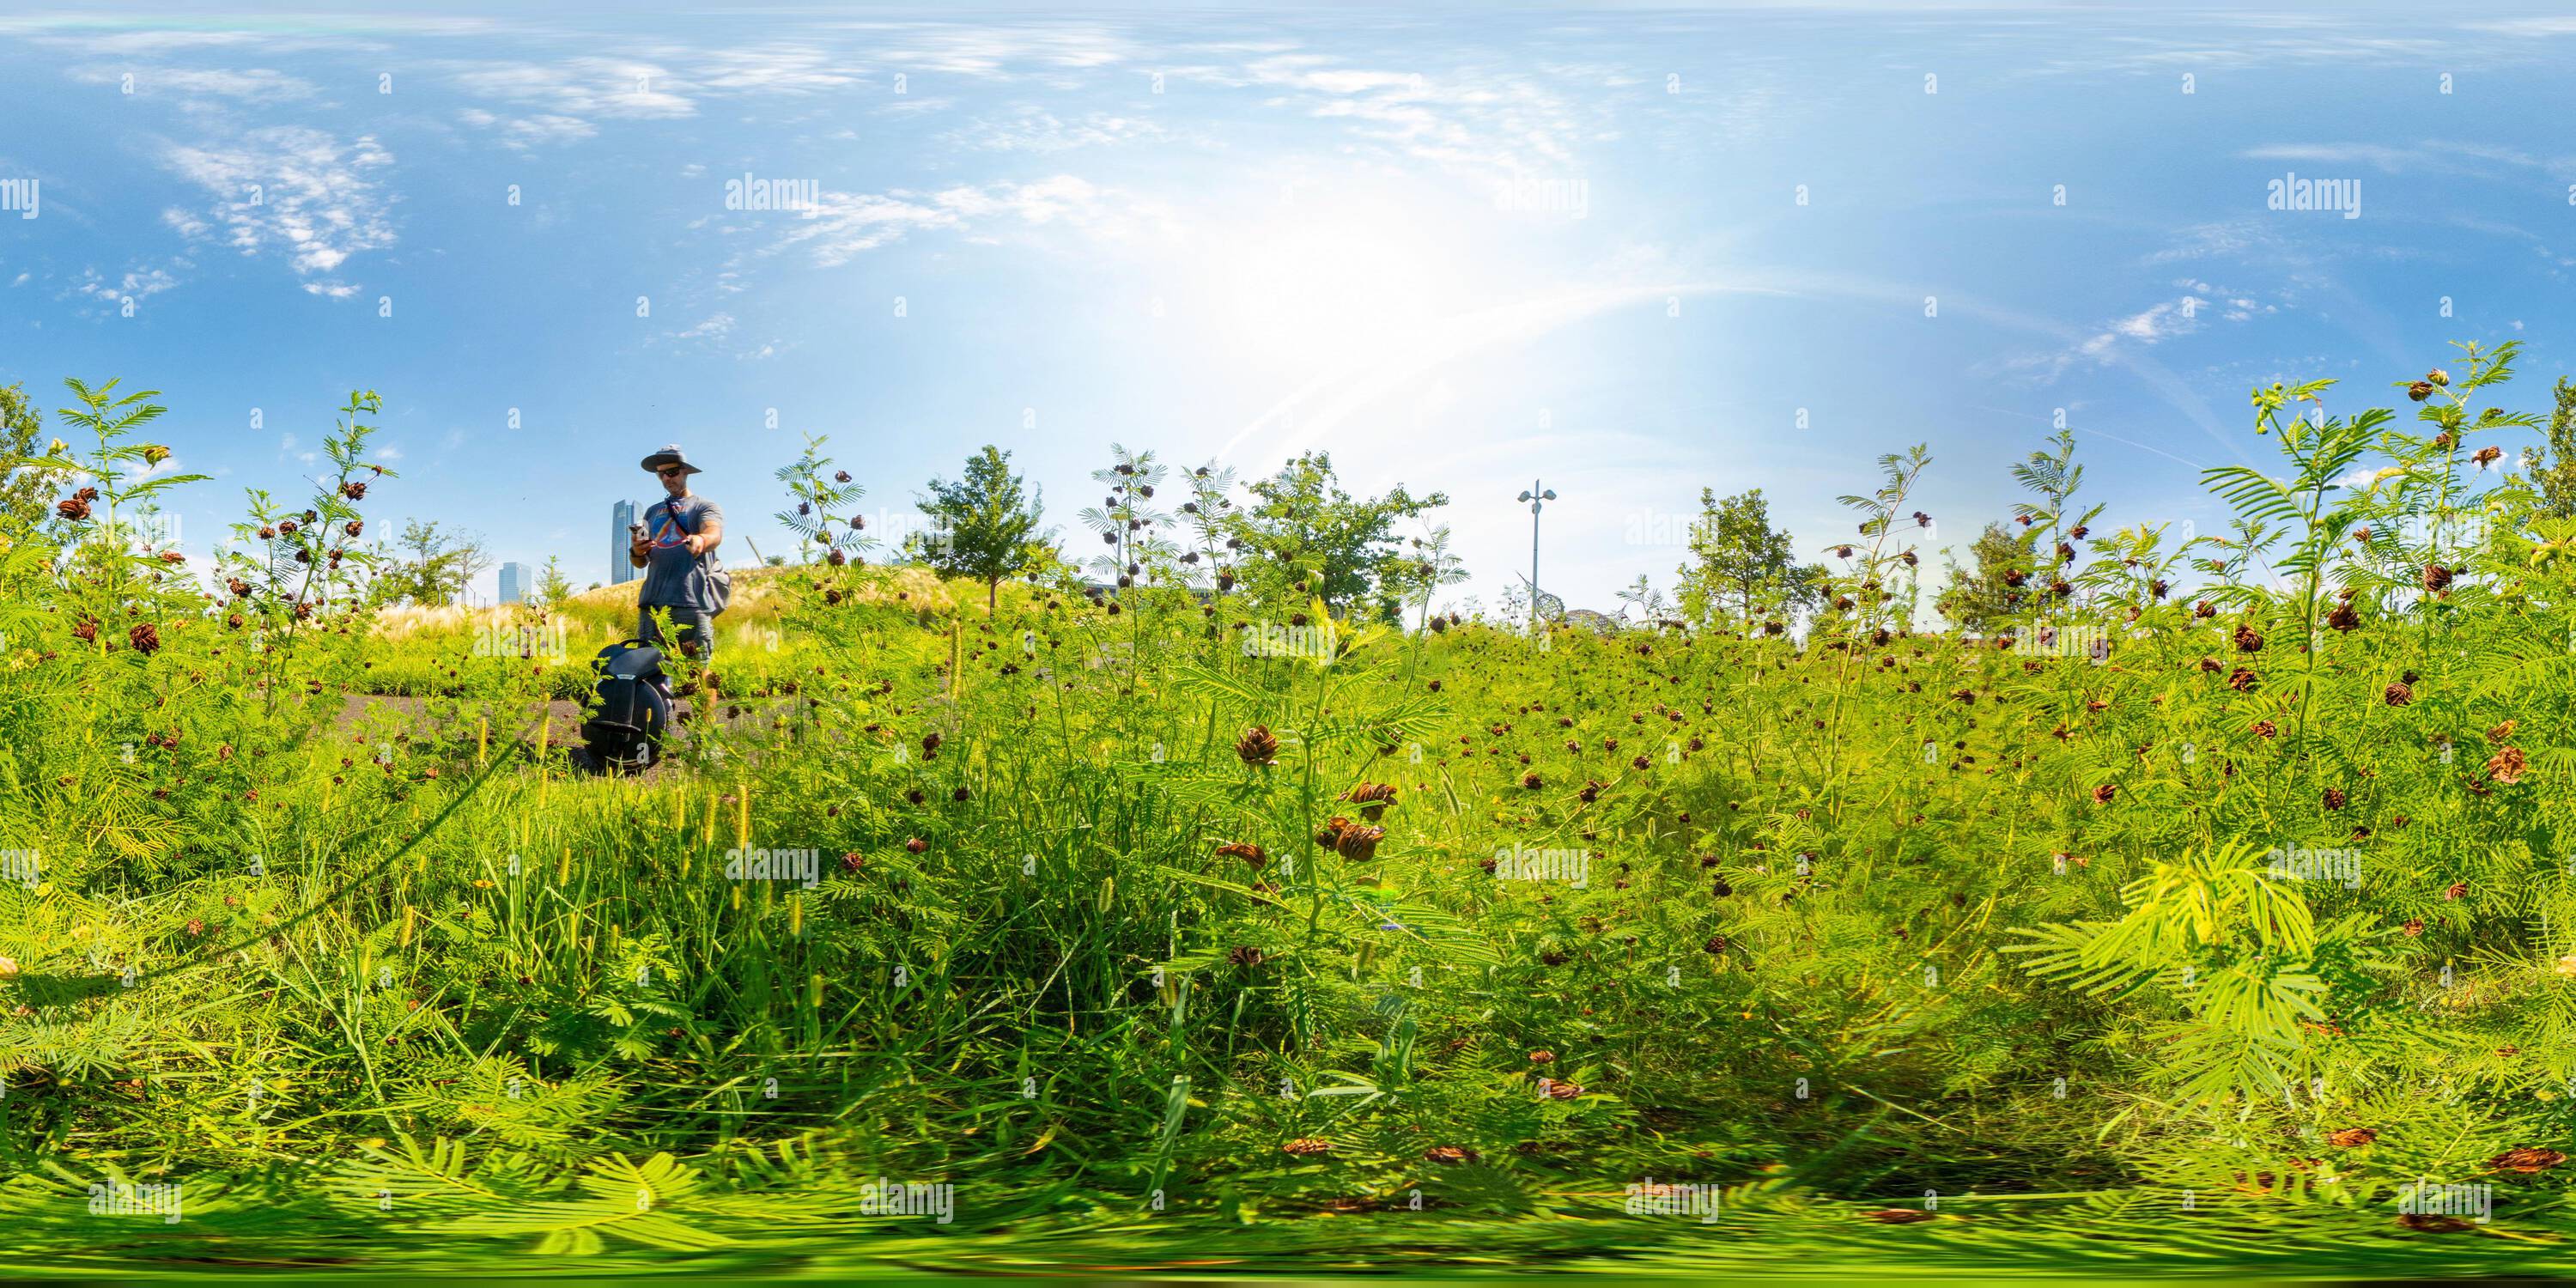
<point>1313,289</point>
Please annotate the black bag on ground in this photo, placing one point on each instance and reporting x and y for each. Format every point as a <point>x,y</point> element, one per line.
<point>630,706</point>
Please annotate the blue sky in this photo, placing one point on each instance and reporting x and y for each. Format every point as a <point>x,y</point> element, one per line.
<point>1458,248</point>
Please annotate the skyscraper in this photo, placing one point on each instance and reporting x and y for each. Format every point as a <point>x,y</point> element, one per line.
<point>516,583</point>
<point>621,517</point>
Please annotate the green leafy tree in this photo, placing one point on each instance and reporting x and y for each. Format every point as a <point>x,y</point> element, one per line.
<point>988,521</point>
<point>439,564</point>
<point>2556,475</point>
<point>1306,521</point>
<point>22,471</point>
<point>553,588</point>
<point>1740,563</point>
<point>1983,595</point>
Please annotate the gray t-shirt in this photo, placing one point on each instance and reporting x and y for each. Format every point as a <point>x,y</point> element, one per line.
<point>674,578</point>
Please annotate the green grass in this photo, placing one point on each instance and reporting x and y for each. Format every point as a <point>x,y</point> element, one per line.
<point>1869,913</point>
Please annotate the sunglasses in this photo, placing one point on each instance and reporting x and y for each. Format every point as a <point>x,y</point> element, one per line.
<point>671,471</point>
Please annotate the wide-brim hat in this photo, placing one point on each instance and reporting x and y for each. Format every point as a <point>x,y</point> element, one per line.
<point>669,455</point>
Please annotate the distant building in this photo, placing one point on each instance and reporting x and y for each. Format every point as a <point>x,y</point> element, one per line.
<point>622,517</point>
<point>518,582</point>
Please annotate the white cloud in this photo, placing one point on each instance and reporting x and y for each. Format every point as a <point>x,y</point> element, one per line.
<point>992,51</point>
<point>293,190</point>
<point>1461,118</point>
<point>661,83</point>
<point>249,83</point>
<point>715,327</point>
<point>389,452</point>
<point>136,284</point>
<point>1030,128</point>
<point>522,133</point>
<point>766,70</point>
<point>2526,28</point>
<point>585,86</point>
<point>2380,157</point>
<point>2160,322</point>
<point>188,225</point>
<point>2366,476</point>
<point>846,225</point>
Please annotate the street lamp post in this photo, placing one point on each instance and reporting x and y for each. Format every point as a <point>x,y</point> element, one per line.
<point>1535,496</point>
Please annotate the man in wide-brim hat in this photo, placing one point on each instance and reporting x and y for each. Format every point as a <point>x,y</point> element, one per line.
<point>671,546</point>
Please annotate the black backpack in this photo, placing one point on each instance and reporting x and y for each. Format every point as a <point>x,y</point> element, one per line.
<point>630,707</point>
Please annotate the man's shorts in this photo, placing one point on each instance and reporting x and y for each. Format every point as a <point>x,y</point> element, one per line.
<point>696,628</point>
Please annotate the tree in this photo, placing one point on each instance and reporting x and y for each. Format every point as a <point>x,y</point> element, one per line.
<point>1982,597</point>
<point>1736,555</point>
<point>553,588</point>
<point>989,523</point>
<point>1305,520</point>
<point>22,481</point>
<point>2557,478</point>
<point>440,564</point>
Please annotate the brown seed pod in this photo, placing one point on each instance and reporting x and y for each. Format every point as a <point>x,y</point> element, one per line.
<point>2526,1160</point>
